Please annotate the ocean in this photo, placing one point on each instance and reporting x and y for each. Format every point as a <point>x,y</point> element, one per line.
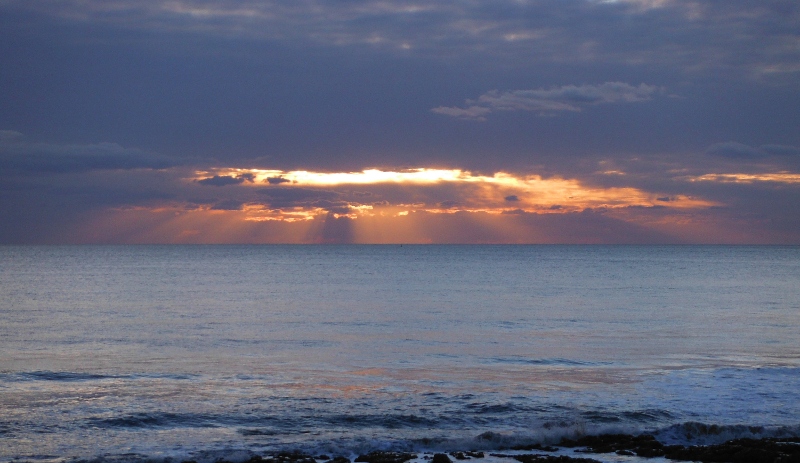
<point>168,353</point>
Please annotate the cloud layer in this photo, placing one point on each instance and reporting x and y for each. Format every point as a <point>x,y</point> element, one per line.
<point>313,121</point>
<point>748,33</point>
<point>19,156</point>
<point>549,101</point>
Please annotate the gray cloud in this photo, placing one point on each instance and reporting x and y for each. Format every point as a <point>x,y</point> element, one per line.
<point>749,34</point>
<point>336,207</point>
<point>318,85</point>
<point>17,154</point>
<point>227,205</point>
<point>225,180</point>
<point>548,101</point>
<point>735,150</point>
<point>781,150</point>
<point>290,197</point>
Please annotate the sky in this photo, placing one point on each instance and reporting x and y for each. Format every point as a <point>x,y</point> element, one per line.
<point>420,121</point>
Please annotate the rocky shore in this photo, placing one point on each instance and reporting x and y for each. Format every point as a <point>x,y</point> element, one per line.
<point>767,450</point>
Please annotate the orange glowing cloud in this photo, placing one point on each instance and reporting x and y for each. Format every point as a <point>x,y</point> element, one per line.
<point>776,177</point>
<point>231,205</point>
<point>466,192</point>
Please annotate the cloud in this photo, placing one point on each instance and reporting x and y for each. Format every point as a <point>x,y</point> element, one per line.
<point>6,135</point>
<point>281,197</point>
<point>472,112</point>
<point>758,36</point>
<point>553,100</point>
<point>17,154</point>
<point>321,88</point>
<point>225,180</point>
<point>277,180</point>
<point>787,178</point>
<point>735,150</point>
<point>227,205</point>
<point>451,189</point>
<point>781,150</point>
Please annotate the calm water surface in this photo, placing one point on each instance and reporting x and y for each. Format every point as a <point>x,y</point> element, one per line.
<point>199,351</point>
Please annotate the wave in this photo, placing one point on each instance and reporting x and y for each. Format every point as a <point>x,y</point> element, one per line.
<point>63,376</point>
<point>388,421</point>
<point>688,433</point>
<point>543,438</point>
<point>695,433</point>
<point>71,376</point>
<point>547,361</point>
<point>154,420</point>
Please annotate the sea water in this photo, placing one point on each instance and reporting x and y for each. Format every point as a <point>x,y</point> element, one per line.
<point>115,353</point>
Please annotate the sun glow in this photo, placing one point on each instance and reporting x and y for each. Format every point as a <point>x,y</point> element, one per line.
<point>465,192</point>
<point>392,206</point>
<point>365,177</point>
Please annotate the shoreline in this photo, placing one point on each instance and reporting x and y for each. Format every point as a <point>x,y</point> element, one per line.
<point>742,450</point>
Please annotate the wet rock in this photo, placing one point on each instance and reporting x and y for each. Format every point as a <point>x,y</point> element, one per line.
<point>741,451</point>
<point>385,457</point>
<point>766,450</point>
<point>442,458</point>
<point>644,445</point>
<point>466,455</point>
<point>539,458</point>
<point>340,459</point>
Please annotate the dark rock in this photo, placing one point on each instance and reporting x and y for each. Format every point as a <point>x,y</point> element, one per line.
<point>289,457</point>
<point>442,458</point>
<point>768,450</point>
<point>323,457</point>
<point>459,455</point>
<point>474,454</point>
<point>644,445</point>
<point>385,457</point>
<point>340,459</point>
<point>741,451</point>
<point>538,458</point>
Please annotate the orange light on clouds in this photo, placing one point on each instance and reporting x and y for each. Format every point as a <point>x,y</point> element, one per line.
<point>498,193</point>
<point>777,177</point>
<point>404,206</point>
<point>259,213</point>
<point>365,177</point>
